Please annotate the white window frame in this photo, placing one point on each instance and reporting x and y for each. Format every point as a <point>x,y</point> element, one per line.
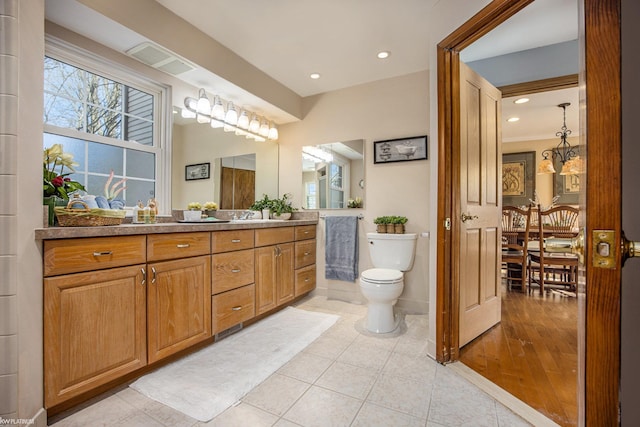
<point>81,58</point>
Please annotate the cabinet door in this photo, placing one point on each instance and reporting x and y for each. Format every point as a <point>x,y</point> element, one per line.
<point>179,299</point>
<point>94,330</point>
<point>285,278</point>
<point>266,278</point>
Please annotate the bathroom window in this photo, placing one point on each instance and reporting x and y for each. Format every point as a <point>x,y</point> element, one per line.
<point>108,121</point>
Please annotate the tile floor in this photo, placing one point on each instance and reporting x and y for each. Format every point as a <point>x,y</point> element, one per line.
<point>347,377</point>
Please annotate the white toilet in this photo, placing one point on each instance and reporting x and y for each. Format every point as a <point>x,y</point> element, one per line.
<point>391,255</point>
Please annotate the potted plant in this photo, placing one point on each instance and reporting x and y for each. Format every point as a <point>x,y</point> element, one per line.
<point>193,212</point>
<point>263,205</point>
<point>398,224</point>
<point>381,223</point>
<point>282,208</point>
<point>210,208</point>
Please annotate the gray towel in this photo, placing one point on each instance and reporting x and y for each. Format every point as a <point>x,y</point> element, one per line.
<point>341,248</point>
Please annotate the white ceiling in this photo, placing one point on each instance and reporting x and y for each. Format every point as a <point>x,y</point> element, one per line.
<point>289,39</point>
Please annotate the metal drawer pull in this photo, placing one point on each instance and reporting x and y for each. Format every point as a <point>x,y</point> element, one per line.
<point>307,253</point>
<point>235,270</point>
<point>104,253</point>
<point>307,279</point>
<point>153,277</point>
<point>236,308</point>
<point>183,245</point>
<point>235,241</point>
<point>144,276</point>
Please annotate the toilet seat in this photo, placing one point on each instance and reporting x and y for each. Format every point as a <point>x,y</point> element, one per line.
<point>382,276</point>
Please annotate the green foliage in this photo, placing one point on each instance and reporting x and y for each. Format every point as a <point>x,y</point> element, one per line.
<point>276,206</point>
<point>264,203</point>
<point>391,219</point>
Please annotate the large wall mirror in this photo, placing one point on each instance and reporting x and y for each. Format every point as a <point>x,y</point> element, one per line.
<point>332,174</point>
<point>241,169</point>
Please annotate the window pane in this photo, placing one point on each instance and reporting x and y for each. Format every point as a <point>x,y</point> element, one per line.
<point>69,145</point>
<point>141,164</point>
<point>138,103</point>
<point>104,158</point>
<point>104,122</point>
<point>139,190</point>
<point>63,79</point>
<point>62,112</point>
<point>104,92</point>
<point>140,131</point>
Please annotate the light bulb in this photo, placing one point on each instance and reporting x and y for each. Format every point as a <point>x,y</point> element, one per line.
<point>243,120</point>
<point>273,132</point>
<point>264,129</point>
<point>232,115</point>
<point>217,112</point>
<point>254,124</point>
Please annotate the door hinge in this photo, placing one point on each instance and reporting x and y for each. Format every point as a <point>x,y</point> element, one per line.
<point>447,224</point>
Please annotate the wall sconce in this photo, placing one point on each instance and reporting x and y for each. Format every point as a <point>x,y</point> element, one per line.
<point>566,154</point>
<point>204,112</point>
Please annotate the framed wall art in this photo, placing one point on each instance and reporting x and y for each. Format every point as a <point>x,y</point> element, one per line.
<point>400,149</point>
<point>518,178</point>
<point>197,171</point>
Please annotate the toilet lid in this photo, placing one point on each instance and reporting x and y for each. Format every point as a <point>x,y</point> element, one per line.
<point>382,275</point>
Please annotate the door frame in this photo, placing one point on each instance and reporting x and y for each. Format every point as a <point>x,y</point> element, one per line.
<point>600,83</point>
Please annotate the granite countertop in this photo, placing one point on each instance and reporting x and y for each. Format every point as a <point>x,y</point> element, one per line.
<point>170,226</point>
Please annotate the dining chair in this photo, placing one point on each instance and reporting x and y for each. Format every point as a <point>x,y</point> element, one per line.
<point>515,235</point>
<point>557,269</point>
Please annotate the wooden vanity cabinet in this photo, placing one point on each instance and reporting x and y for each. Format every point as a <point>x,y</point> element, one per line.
<point>178,292</point>
<point>305,259</point>
<point>94,321</point>
<point>274,263</point>
<point>233,275</point>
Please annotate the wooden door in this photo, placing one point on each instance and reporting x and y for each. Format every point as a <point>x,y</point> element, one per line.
<point>94,330</point>
<point>599,349</point>
<point>285,277</point>
<point>480,151</point>
<point>266,283</point>
<point>237,188</point>
<point>179,305</point>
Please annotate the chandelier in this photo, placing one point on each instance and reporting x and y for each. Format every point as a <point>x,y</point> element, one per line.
<point>564,152</point>
<point>245,123</point>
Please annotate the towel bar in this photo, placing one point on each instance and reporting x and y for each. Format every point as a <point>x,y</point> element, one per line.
<point>360,216</point>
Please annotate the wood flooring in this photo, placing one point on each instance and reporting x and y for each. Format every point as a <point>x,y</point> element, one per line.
<point>533,352</point>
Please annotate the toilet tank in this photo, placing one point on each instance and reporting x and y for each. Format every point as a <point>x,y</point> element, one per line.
<point>395,251</point>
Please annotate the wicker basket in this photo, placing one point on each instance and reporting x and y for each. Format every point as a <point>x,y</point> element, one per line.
<point>85,217</point>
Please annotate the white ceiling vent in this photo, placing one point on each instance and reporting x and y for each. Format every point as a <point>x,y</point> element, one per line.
<point>160,58</point>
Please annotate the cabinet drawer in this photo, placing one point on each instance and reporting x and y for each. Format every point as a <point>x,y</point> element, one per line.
<point>273,236</point>
<point>233,307</point>
<point>305,253</point>
<point>232,270</point>
<point>177,245</point>
<point>305,280</point>
<point>304,232</point>
<point>234,240</point>
<point>96,253</point>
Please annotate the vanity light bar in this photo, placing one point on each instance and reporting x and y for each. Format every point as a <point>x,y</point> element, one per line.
<point>201,110</point>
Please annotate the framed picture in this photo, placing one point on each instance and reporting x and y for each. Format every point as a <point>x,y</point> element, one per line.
<point>400,150</point>
<point>566,187</point>
<point>199,171</point>
<point>518,178</point>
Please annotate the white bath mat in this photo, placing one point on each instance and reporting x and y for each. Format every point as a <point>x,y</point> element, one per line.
<point>204,384</point>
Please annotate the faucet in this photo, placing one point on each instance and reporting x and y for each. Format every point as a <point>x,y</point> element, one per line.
<point>246,215</point>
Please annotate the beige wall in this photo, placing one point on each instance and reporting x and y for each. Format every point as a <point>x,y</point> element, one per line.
<point>544,182</point>
<point>386,109</point>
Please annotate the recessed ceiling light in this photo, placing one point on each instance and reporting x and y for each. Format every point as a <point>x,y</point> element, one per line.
<point>521,100</point>
<point>513,119</point>
<point>384,54</point>
<point>314,76</point>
